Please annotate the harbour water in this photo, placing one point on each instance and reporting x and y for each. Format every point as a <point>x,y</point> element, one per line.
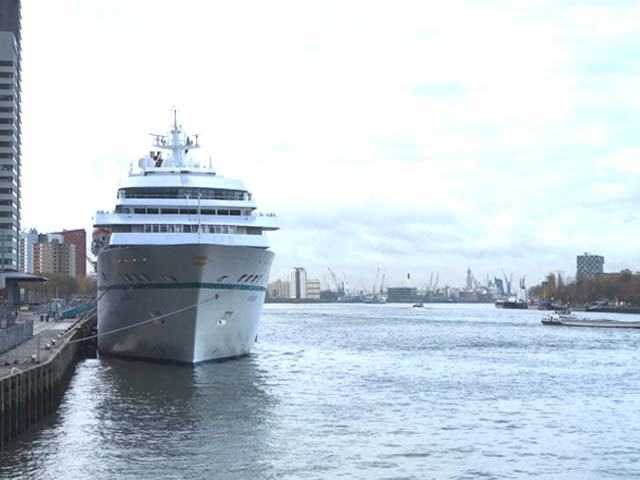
<point>362,392</point>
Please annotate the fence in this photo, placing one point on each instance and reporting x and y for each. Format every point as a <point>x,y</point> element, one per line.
<point>29,396</point>
<point>15,335</point>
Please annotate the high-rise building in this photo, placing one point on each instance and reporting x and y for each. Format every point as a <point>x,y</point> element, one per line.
<point>589,266</point>
<point>10,130</point>
<point>313,289</point>
<point>54,257</point>
<point>278,289</point>
<point>79,239</point>
<point>298,283</point>
<point>27,241</point>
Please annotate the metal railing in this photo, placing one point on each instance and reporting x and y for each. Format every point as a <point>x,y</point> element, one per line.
<point>14,335</point>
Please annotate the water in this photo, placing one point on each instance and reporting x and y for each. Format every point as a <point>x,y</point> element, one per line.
<point>359,392</point>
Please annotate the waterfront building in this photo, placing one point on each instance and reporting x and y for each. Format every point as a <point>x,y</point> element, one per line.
<point>313,289</point>
<point>278,289</point>
<point>10,130</point>
<point>402,294</point>
<point>298,283</point>
<point>588,266</point>
<point>27,241</point>
<point>54,257</point>
<point>79,239</point>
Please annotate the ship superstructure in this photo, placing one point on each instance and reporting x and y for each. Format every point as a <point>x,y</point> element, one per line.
<point>183,260</point>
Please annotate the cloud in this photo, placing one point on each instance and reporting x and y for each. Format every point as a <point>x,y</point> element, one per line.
<point>421,137</point>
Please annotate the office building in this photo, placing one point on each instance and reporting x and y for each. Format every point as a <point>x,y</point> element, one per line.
<point>402,294</point>
<point>298,283</point>
<point>589,266</point>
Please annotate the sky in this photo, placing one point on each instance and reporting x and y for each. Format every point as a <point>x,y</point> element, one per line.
<point>416,137</point>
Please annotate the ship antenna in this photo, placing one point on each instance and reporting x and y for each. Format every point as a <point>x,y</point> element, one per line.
<point>175,118</point>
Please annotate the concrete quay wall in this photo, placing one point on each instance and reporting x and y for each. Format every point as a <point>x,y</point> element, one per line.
<point>29,395</point>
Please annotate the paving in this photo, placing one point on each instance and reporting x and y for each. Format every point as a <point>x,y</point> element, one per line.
<point>34,350</point>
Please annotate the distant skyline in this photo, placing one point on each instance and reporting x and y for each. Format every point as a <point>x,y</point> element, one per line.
<point>421,137</point>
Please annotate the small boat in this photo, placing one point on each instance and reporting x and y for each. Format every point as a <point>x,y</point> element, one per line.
<point>570,320</point>
<point>418,305</point>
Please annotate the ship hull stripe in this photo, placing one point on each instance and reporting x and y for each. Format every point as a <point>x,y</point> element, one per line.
<point>209,286</point>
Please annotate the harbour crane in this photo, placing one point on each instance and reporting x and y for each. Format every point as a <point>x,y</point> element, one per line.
<point>382,284</point>
<point>508,282</point>
<point>338,285</point>
<point>373,290</point>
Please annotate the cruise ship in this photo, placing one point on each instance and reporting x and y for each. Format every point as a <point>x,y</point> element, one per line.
<point>183,260</point>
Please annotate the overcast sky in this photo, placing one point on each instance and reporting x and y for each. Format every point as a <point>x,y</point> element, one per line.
<point>418,137</point>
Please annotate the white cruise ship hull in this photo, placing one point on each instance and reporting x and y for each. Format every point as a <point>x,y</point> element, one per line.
<point>180,303</point>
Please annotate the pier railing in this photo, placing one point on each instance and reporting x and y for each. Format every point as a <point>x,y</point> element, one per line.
<point>15,335</point>
<point>29,395</point>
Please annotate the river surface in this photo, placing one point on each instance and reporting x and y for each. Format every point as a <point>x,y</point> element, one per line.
<point>358,392</point>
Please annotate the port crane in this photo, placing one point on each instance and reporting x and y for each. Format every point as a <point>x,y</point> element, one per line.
<point>339,286</point>
<point>508,281</point>
<point>373,290</point>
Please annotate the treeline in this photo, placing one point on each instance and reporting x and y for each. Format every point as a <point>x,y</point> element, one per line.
<point>59,286</point>
<point>612,287</point>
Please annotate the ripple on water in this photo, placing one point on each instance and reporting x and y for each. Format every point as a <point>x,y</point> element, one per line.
<point>358,391</point>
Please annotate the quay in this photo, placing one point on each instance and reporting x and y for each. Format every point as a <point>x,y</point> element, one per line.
<point>34,375</point>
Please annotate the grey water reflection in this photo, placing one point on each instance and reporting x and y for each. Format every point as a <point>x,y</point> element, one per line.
<point>359,392</point>
<point>123,419</point>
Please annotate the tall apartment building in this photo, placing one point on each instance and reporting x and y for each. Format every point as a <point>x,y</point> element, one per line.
<point>298,283</point>
<point>10,130</point>
<point>54,257</point>
<point>79,239</point>
<point>27,241</point>
<point>278,289</point>
<point>588,266</point>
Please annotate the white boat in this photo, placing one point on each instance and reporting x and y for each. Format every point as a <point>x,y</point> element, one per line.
<point>183,260</point>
